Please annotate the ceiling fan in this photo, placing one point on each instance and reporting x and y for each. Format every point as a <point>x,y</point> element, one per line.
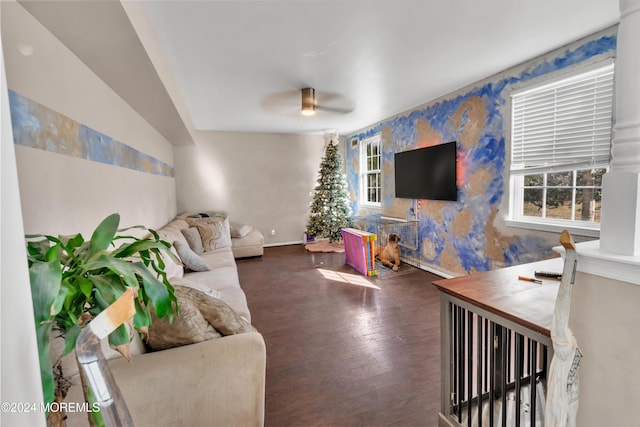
<point>310,105</point>
<point>307,102</point>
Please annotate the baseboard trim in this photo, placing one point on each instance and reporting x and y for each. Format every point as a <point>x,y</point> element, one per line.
<point>436,272</point>
<point>444,422</point>
<point>269,245</point>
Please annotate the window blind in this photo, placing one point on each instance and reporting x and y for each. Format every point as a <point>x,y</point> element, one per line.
<point>563,125</point>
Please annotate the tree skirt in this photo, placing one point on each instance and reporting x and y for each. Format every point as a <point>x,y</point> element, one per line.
<point>324,246</point>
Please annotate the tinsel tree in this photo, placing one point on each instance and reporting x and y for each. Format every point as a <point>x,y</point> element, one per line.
<point>330,211</point>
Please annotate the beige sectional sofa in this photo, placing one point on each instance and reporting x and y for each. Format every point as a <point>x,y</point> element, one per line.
<point>247,245</point>
<point>219,382</point>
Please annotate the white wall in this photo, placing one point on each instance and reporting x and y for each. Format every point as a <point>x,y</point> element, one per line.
<point>259,179</point>
<point>63,194</point>
<point>19,367</point>
<point>604,319</point>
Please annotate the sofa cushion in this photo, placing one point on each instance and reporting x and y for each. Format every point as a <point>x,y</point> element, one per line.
<point>218,278</point>
<point>240,230</point>
<point>192,235</point>
<point>215,232</point>
<point>171,234</point>
<point>190,259</point>
<point>201,317</point>
<point>236,299</point>
<point>223,274</point>
<point>220,258</point>
<point>178,223</point>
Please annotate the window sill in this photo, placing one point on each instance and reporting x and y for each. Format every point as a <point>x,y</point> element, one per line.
<point>553,228</point>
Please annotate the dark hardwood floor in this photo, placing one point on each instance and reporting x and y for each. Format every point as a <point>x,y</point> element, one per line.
<point>359,352</point>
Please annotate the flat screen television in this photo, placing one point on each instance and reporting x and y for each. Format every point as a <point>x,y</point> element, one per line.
<point>427,173</point>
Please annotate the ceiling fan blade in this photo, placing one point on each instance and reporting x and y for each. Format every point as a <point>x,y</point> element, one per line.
<point>290,103</point>
<point>335,109</point>
<point>284,103</point>
<point>334,103</point>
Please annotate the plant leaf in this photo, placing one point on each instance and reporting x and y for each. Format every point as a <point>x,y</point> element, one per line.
<point>120,336</point>
<point>102,300</point>
<point>52,254</point>
<point>104,234</point>
<point>109,286</point>
<point>72,242</point>
<point>45,278</point>
<point>60,298</point>
<point>45,281</point>
<point>119,267</point>
<point>72,319</point>
<point>142,317</point>
<point>72,292</point>
<point>129,249</point>
<point>43,336</point>
<point>139,227</point>
<point>70,337</point>
<point>98,420</point>
<point>38,248</point>
<point>160,294</point>
<point>85,286</point>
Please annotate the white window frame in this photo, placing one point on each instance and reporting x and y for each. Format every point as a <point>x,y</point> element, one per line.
<point>365,172</point>
<point>523,164</point>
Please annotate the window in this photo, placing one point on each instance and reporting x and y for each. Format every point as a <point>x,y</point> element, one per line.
<point>370,167</point>
<point>561,139</point>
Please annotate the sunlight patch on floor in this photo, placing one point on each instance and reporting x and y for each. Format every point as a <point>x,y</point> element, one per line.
<point>352,279</point>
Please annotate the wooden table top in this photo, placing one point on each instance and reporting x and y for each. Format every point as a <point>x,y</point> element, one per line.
<point>501,292</point>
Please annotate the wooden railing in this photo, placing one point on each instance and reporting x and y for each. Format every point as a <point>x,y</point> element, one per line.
<point>496,346</point>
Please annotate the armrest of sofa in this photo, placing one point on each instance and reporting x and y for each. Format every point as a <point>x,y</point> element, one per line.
<point>217,382</point>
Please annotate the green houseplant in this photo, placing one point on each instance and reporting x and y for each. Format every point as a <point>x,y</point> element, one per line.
<point>72,280</point>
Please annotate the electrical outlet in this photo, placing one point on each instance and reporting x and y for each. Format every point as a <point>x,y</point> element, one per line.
<point>273,232</point>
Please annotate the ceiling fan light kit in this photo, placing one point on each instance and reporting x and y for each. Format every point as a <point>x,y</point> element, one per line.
<point>308,101</point>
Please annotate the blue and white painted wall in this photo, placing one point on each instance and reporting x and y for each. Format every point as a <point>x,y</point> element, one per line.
<point>469,235</point>
<point>37,126</point>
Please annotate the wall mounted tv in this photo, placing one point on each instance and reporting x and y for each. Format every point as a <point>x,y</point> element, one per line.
<point>427,173</point>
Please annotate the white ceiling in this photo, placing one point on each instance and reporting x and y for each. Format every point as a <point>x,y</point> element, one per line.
<point>239,65</point>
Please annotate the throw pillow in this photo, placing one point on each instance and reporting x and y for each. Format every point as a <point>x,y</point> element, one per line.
<point>240,230</point>
<point>172,268</point>
<point>190,259</point>
<point>215,232</point>
<point>201,317</point>
<point>171,234</point>
<point>193,239</point>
